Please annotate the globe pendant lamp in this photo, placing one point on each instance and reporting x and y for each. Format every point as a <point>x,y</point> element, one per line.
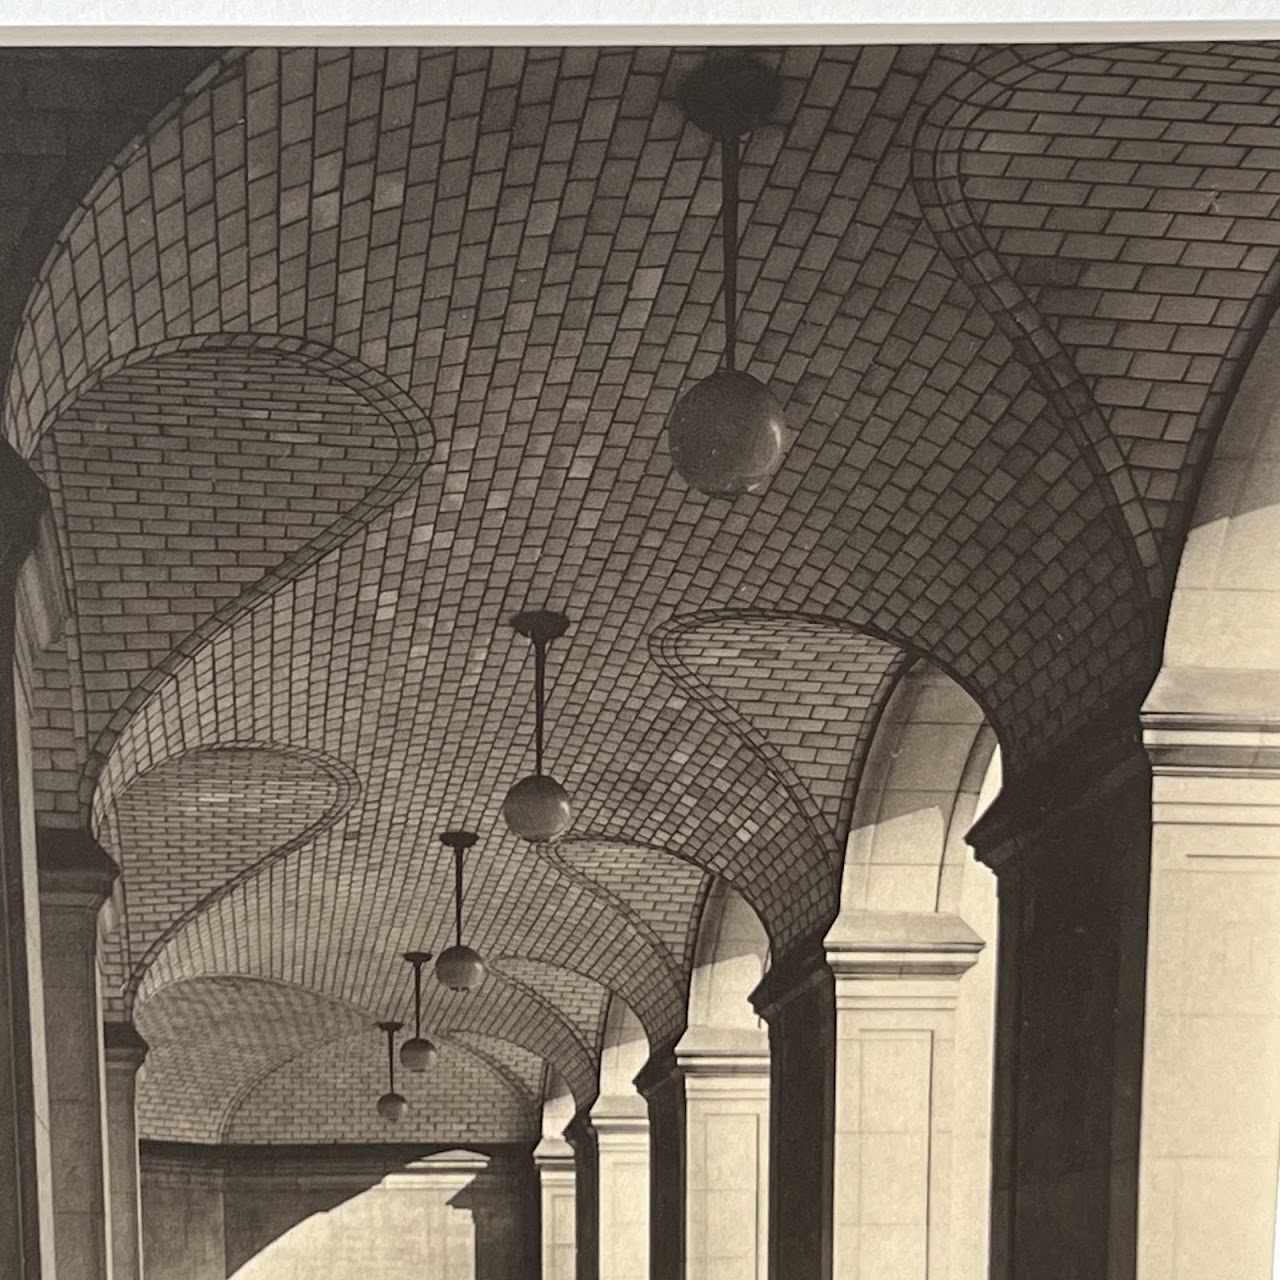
<point>392,1105</point>
<point>537,808</point>
<point>459,968</point>
<point>726,433</point>
<point>418,1053</point>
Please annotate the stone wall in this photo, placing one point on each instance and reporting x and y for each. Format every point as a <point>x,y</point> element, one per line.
<point>345,1214</point>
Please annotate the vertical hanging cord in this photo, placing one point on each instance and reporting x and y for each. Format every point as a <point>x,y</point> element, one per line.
<point>457,893</point>
<point>539,696</point>
<point>417,999</point>
<point>391,1061</point>
<point>729,210</point>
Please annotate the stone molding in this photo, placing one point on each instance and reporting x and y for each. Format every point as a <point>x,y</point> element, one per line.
<point>900,944</point>
<point>803,969</point>
<point>23,501</point>
<point>1032,810</point>
<point>123,1048</point>
<point>612,1116</point>
<point>580,1132</point>
<point>75,870</point>
<point>553,1155</point>
<point>1205,722</point>
<point>720,1053</point>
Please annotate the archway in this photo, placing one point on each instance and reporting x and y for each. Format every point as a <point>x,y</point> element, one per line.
<point>724,1065</point>
<point>621,1123</point>
<point>1210,1114</point>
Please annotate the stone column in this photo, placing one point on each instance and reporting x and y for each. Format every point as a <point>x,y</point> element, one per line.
<point>22,502</point>
<point>622,1143</point>
<point>581,1136</point>
<point>1211,1082</point>
<point>123,1053</point>
<point>797,1000</point>
<point>896,987</point>
<point>661,1084</point>
<point>726,1108</point>
<point>75,880</point>
<point>558,1182</point>
<point>1071,849</point>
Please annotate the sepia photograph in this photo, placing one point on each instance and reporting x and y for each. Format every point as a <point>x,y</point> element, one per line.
<point>640,661</point>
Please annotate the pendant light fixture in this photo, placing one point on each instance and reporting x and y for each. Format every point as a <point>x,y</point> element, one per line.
<point>459,967</point>
<point>537,808</point>
<point>418,1053</point>
<point>391,1106</point>
<point>727,433</point>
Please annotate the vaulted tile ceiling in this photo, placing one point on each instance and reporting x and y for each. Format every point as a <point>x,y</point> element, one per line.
<point>355,353</point>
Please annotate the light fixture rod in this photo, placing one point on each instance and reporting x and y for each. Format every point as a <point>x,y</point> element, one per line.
<point>539,699</point>
<point>417,959</point>
<point>540,627</point>
<point>729,160</point>
<point>459,842</point>
<point>457,894</point>
<point>391,1028</point>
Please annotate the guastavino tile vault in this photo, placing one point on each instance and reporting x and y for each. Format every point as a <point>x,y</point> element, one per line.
<point>843,483</point>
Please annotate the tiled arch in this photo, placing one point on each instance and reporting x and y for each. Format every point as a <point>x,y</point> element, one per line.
<point>204,472</point>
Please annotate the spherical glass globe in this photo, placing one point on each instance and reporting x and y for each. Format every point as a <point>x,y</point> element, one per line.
<point>417,1054</point>
<point>391,1107</point>
<point>727,434</point>
<point>460,969</point>
<point>538,809</point>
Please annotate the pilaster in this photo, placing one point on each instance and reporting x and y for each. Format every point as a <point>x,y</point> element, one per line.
<point>76,878</point>
<point>726,1093</point>
<point>124,1052</point>
<point>23,502</point>
<point>1071,849</point>
<point>1210,1091</point>
<point>621,1125</point>
<point>558,1186</point>
<point>896,979</point>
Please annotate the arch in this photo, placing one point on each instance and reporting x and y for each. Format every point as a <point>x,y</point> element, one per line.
<point>410,444</point>
<point>919,795</point>
<point>213,1038</point>
<point>1222,641</point>
<point>1211,729</point>
<point>257,768</point>
<point>656,890</point>
<point>581,1000</point>
<point>730,959</point>
<point>329,1096</point>
<point>558,1107</point>
<point>624,1052</point>
<point>914,962</point>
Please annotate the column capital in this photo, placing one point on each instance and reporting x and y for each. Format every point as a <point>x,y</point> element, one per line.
<point>580,1133</point>
<point>620,1122</point>
<point>123,1047</point>
<point>723,1052</point>
<point>1033,809</point>
<point>659,1072</point>
<point>75,870</point>
<point>900,944</point>
<point>795,974</point>
<point>1206,723</point>
<point>553,1154</point>
<point>23,500</point>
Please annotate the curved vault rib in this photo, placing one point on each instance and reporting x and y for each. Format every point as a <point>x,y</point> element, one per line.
<point>946,209</point>
<point>809,713</point>
<point>414,449</point>
<point>347,792</point>
<point>463,1094</point>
